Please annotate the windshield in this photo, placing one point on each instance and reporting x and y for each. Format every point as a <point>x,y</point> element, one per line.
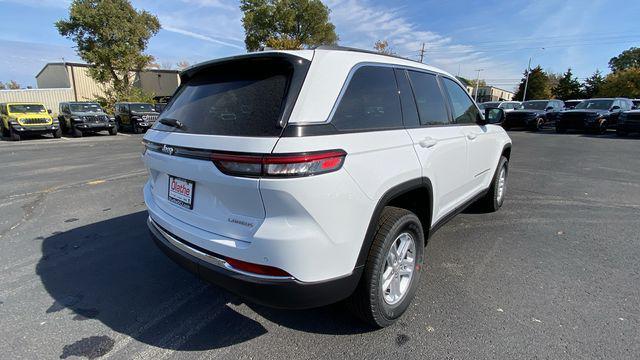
<point>534,105</point>
<point>27,108</point>
<point>141,108</point>
<point>85,108</point>
<point>243,98</point>
<point>595,104</point>
<point>488,105</point>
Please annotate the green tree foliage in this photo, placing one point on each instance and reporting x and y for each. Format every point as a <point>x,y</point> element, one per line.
<point>112,35</point>
<point>286,24</point>
<point>623,83</point>
<point>591,86</point>
<point>2,86</point>
<point>538,87</point>
<point>568,87</point>
<point>627,59</point>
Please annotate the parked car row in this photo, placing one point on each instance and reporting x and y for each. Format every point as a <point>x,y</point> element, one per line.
<point>591,115</point>
<point>74,118</point>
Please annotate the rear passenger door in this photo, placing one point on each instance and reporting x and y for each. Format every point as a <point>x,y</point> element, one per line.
<point>439,144</point>
<point>481,140</point>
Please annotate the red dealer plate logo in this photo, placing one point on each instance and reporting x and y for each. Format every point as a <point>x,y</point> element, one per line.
<point>181,191</point>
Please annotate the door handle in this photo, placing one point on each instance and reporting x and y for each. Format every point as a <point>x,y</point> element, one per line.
<point>428,142</point>
<point>472,136</point>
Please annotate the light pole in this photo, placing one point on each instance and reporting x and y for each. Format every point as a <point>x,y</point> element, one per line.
<point>477,84</point>
<point>526,82</point>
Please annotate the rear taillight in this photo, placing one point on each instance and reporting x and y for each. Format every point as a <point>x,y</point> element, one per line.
<point>255,268</point>
<point>279,165</point>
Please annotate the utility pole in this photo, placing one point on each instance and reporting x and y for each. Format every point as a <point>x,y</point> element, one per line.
<point>477,84</point>
<point>526,82</point>
<point>422,53</point>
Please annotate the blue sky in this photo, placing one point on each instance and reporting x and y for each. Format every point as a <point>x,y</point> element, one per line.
<point>460,36</point>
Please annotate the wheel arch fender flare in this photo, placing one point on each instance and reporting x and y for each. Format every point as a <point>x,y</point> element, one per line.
<point>395,192</point>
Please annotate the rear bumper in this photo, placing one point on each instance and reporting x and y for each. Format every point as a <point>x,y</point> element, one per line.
<point>277,292</point>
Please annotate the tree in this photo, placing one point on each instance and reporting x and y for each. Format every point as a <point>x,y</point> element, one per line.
<point>627,59</point>
<point>286,24</point>
<point>2,86</point>
<point>623,83</point>
<point>111,35</point>
<point>182,64</point>
<point>554,78</point>
<point>538,87</point>
<point>591,86</point>
<point>13,85</point>
<point>382,46</point>
<point>568,87</point>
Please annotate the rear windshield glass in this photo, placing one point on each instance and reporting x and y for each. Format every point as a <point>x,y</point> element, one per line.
<point>243,98</point>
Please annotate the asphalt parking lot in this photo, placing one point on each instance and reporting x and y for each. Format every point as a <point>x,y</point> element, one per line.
<point>554,274</point>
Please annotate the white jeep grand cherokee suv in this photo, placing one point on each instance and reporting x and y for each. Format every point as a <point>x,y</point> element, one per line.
<point>298,179</point>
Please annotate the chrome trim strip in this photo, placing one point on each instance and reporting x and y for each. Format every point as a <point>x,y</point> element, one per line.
<point>206,257</point>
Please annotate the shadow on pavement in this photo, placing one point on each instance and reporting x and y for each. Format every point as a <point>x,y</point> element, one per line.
<point>112,272</point>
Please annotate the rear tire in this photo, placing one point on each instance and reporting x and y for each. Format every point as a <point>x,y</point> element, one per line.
<point>5,131</point>
<point>387,285</point>
<point>113,131</point>
<point>57,134</point>
<point>494,199</point>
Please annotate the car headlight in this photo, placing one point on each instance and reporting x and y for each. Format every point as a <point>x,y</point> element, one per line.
<point>13,121</point>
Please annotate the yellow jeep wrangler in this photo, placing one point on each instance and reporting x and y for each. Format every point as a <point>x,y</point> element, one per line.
<point>19,119</point>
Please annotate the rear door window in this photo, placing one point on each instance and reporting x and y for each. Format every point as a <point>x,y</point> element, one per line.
<point>431,105</point>
<point>241,98</point>
<point>409,110</point>
<point>370,102</point>
<point>464,110</point>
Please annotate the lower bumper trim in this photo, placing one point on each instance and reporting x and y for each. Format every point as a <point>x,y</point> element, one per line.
<point>285,293</point>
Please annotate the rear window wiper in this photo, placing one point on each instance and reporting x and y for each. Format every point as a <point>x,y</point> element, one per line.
<point>172,122</point>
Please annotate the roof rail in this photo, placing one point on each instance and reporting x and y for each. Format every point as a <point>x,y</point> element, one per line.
<point>346,48</point>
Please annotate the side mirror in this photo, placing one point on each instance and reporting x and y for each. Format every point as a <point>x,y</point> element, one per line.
<point>492,116</point>
<point>615,107</point>
<point>49,111</point>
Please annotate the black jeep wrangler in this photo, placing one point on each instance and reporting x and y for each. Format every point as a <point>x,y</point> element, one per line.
<point>135,117</point>
<point>533,114</point>
<point>79,118</point>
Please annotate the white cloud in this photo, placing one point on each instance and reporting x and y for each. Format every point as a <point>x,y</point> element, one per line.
<point>201,36</point>
<point>359,23</point>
